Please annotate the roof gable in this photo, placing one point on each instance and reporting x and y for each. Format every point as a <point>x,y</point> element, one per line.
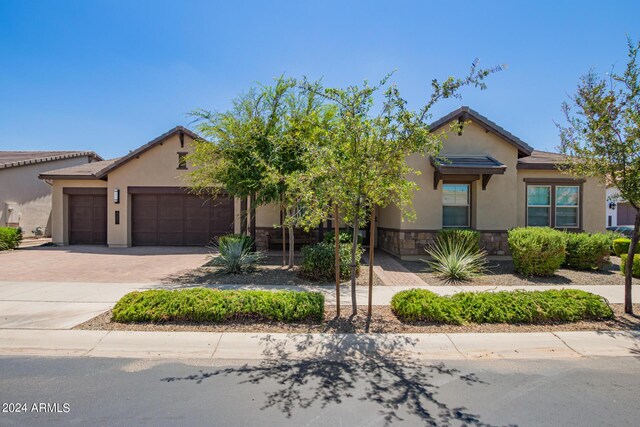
<point>178,130</point>
<point>466,113</point>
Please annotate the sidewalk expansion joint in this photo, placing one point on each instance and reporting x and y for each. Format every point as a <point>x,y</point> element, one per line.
<point>215,349</point>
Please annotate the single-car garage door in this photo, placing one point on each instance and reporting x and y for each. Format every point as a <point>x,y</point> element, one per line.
<point>626,214</point>
<point>173,218</point>
<point>88,219</point>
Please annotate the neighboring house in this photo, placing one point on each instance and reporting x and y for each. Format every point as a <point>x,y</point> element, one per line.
<point>25,201</point>
<point>619,212</point>
<point>485,178</point>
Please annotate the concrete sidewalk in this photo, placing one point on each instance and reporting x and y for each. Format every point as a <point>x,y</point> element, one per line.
<point>274,346</point>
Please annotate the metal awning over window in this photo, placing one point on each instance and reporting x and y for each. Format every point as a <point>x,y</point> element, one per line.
<point>465,169</point>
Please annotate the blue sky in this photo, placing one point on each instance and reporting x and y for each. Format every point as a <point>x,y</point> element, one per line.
<point>109,76</point>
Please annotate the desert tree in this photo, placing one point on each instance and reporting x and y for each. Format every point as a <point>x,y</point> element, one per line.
<point>249,150</point>
<point>601,137</point>
<point>363,163</point>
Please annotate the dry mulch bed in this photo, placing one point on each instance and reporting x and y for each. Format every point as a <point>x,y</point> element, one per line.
<point>501,273</point>
<point>270,272</point>
<point>382,321</point>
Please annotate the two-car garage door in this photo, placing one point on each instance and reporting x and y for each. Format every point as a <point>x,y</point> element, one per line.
<point>173,218</point>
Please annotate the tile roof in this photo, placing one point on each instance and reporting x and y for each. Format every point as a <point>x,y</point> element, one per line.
<point>541,160</point>
<point>10,159</point>
<point>86,171</point>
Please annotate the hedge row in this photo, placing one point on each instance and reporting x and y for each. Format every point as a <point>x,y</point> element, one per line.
<point>635,269</point>
<point>542,251</point>
<point>10,238</point>
<point>218,306</point>
<point>621,246</point>
<point>565,305</point>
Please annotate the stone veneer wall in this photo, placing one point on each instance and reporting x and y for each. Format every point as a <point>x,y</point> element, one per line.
<point>411,243</point>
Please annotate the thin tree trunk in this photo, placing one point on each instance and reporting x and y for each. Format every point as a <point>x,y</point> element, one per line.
<point>284,235</point>
<point>628,268</point>
<point>336,229</point>
<point>354,249</point>
<point>252,224</point>
<point>371,242</point>
<point>292,245</point>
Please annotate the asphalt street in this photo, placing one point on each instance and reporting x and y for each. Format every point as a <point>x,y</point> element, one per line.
<point>379,391</point>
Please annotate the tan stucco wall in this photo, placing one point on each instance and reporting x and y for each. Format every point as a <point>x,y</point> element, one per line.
<point>157,167</point>
<point>493,208</point>
<point>593,199</point>
<point>60,204</point>
<point>29,196</point>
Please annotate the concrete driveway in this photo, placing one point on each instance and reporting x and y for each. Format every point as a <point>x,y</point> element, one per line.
<point>96,264</point>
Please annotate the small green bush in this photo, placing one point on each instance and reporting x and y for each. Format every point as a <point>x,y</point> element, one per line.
<point>565,305</point>
<point>587,251</point>
<point>318,261</point>
<point>10,238</point>
<point>456,257</point>
<point>421,305</point>
<point>466,236</point>
<point>344,237</point>
<point>635,269</point>
<point>621,246</point>
<point>537,251</point>
<point>235,255</point>
<point>612,236</point>
<point>218,306</point>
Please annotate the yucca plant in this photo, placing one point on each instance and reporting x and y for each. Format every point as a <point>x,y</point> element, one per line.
<point>456,259</point>
<point>235,255</point>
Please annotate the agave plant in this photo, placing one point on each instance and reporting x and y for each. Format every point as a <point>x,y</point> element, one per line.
<point>235,255</point>
<point>456,259</point>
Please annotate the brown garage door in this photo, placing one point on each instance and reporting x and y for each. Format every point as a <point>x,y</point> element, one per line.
<point>87,219</point>
<point>178,219</point>
<point>626,214</point>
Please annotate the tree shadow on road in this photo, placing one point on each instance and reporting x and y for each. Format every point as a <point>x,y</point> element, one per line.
<point>374,368</point>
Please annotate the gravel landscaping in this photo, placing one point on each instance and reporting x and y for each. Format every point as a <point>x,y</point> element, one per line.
<point>382,321</point>
<point>501,273</point>
<point>269,272</point>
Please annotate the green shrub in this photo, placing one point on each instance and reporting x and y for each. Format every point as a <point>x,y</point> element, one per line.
<point>621,246</point>
<point>318,261</point>
<point>10,238</point>
<point>587,251</point>
<point>635,270</point>
<point>537,251</point>
<point>468,237</point>
<point>456,257</point>
<point>564,305</point>
<point>235,255</point>
<point>612,235</point>
<point>218,306</point>
<point>420,305</point>
<point>344,237</point>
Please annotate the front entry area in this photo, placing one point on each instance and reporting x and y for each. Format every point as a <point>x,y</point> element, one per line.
<point>174,218</point>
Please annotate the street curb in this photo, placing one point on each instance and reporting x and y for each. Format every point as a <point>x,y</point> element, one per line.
<point>281,346</point>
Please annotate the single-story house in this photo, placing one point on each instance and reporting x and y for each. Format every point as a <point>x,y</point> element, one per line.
<point>25,201</point>
<point>485,178</point>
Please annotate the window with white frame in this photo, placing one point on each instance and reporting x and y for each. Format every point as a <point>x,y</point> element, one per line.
<point>567,204</point>
<point>455,205</point>
<point>539,205</point>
